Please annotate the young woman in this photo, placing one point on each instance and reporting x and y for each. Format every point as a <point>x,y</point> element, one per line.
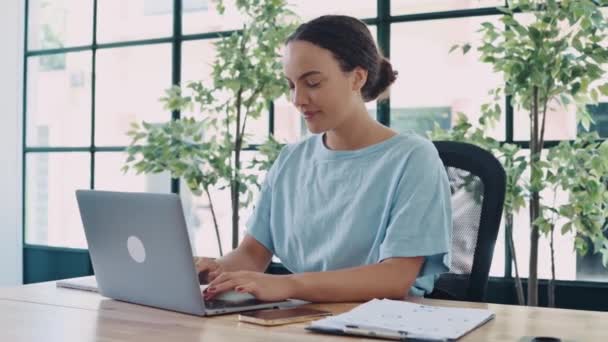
<point>356,211</point>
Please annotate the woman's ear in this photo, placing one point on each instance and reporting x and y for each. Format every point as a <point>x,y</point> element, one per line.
<point>359,78</point>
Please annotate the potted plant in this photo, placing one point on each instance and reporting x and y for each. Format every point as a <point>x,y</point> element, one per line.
<point>554,59</point>
<point>205,150</point>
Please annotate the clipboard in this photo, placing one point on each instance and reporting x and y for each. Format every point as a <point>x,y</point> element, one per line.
<point>400,320</point>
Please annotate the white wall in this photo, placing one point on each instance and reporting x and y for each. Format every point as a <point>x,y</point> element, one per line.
<point>11,71</point>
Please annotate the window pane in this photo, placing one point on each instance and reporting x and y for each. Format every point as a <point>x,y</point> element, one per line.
<point>561,120</point>
<point>130,82</point>
<point>434,85</point>
<point>200,221</point>
<point>566,265</point>
<point>497,268</point>
<point>202,16</point>
<point>197,60</point>
<point>59,23</point>
<point>413,6</point>
<point>560,123</point>
<point>119,20</point>
<point>565,256</point>
<point>197,64</point>
<point>108,176</point>
<point>59,100</point>
<point>599,112</point>
<point>309,9</point>
<point>51,211</point>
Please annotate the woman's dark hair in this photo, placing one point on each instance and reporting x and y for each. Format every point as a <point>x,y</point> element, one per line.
<point>352,45</point>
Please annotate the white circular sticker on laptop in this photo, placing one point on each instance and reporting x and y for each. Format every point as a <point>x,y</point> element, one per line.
<point>136,249</point>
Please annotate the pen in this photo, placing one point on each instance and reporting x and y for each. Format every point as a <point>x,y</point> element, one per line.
<point>390,334</point>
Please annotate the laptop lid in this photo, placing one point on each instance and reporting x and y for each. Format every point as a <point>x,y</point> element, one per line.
<point>140,249</point>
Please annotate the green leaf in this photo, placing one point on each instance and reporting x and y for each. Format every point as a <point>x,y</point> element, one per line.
<point>566,228</point>
<point>504,10</point>
<point>466,48</point>
<point>580,245</point>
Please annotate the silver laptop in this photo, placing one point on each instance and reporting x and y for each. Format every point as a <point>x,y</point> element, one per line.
<point>141,254</point>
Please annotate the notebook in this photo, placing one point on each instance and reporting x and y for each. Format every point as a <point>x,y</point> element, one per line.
<point>83,283</point>
<point>392,319</point>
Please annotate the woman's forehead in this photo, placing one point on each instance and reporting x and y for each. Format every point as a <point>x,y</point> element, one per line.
<point>300,57</point>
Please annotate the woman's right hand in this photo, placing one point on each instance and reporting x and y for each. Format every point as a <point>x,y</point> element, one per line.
<point>207,269</point>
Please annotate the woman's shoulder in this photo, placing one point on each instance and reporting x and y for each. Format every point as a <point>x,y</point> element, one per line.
<point>304,146</point>
<point>291,151</point>
<point>412,142</point>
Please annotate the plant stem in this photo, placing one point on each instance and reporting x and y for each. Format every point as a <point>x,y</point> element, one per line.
<point>518,285</point>
<point>542,127</point>
<point>234,183</point>
<point>551,287</point>
<point>238,144</point>
<point>248,104</point>
<point>534,204</point>
<point>215,224</point>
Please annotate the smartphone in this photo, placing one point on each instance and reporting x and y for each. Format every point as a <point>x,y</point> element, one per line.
<point>281,316</point>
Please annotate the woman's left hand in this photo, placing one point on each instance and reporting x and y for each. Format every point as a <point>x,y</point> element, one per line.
<point>263,286</point>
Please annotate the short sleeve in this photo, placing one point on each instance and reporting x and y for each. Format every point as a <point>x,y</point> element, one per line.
<point>420,222</point>
<point>258,225</point>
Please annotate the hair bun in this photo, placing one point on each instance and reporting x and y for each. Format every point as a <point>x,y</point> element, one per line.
<point>378,89</point>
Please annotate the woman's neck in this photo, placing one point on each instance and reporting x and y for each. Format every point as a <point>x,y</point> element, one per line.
<point>358,132</point>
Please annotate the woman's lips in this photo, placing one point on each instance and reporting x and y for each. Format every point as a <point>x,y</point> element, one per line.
<point>310,115</point>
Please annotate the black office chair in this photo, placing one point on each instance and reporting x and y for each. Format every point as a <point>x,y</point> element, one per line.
<point>478,183</point>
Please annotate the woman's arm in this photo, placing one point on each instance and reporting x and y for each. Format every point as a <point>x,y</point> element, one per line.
<point>250,255</point>
<point>391,278</point>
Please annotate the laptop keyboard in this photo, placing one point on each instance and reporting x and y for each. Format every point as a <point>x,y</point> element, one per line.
<point>227,304</point>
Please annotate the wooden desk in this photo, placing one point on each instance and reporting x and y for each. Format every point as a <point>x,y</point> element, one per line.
<point>42,312</point>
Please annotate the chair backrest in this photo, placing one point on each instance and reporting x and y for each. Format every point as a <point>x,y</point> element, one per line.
<point>478,184</point>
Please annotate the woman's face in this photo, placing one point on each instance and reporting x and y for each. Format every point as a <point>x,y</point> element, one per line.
<point>324,94</point>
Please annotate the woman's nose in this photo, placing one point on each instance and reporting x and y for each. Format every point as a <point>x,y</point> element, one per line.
<point>299,97</point>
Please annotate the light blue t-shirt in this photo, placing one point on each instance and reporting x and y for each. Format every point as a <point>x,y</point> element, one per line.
<point>322,210</point>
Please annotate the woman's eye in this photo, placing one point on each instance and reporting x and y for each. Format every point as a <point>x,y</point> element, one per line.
<point>313,84</point>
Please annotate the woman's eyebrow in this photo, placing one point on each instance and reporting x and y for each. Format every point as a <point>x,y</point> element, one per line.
<point>306,74</point>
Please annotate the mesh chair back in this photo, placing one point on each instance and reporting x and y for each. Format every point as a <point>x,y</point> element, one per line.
<point>477,182</point>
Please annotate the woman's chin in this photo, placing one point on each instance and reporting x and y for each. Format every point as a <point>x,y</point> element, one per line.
<point>315,129</point>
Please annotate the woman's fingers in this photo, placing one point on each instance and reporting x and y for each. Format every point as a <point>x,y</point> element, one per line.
<point>220,288</point>
<point>205,264</point>
<point>250,287</point>
<point>227,281</point>
<point>213,275</point>
<point>204,268</point>
<point>225,276</point>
